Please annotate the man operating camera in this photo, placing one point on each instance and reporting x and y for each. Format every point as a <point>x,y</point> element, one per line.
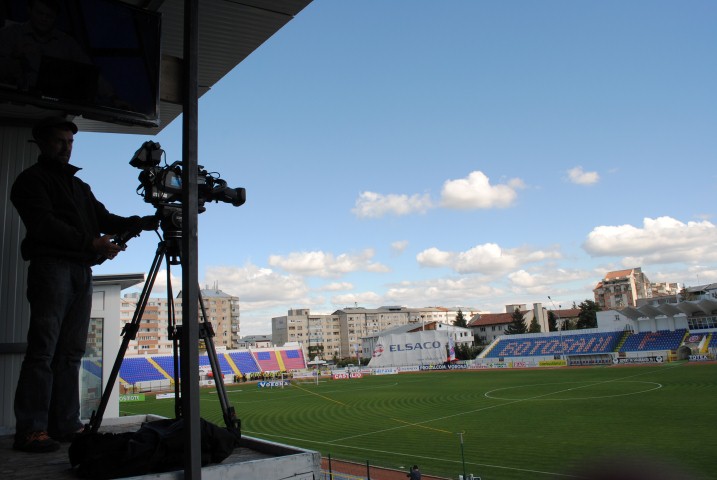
<point>68,230</point>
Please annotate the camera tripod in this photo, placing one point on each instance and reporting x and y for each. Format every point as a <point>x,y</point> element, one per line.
<point>169,249</point>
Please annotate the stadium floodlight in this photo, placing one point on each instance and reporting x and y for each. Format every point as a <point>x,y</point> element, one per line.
<point>559,324</point>
<point>463,458</point>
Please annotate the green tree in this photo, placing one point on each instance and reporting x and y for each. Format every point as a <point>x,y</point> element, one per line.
<point>587,318</point>
<point>685,295</point>
<point>467,352</point>
<point>517,325</point>
<point>315,351</point>
<point>460,320</point>
<point>534,326</point>
<point>552,322</point>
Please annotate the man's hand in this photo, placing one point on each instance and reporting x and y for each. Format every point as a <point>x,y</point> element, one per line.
<point>104,247</point>
<point>150,222</point>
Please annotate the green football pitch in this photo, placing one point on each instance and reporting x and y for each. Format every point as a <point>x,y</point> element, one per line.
<point>515,424</point>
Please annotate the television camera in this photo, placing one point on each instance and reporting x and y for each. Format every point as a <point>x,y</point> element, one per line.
<point>162,187</point>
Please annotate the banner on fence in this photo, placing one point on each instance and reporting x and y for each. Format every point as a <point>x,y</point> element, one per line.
<point>699,358</point>
<point>346,375</point>
<point>444,366</point>
<point>655,359</point>
<point>385,371</point>
<point>273,384</point>
<point>135,397</point>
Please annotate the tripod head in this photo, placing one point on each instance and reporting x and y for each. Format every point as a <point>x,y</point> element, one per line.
<point>170,222</point>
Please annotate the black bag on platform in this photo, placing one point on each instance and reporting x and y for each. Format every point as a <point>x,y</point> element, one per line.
<point>157,446</point>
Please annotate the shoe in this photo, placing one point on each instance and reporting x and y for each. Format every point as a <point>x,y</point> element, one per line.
<point>35,442</point>
<point>67,437</point>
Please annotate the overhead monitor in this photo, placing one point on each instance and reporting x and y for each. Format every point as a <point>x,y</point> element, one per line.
<point>95,58</point>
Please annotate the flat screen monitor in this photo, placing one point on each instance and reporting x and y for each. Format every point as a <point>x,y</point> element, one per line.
<point>95,58</point>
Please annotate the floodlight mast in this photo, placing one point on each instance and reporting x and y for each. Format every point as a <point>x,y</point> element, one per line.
<point>463,457</point>
<point>559,324</point>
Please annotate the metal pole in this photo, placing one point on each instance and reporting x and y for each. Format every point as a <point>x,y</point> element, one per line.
<point>463,458</point>
<point>189,357</point>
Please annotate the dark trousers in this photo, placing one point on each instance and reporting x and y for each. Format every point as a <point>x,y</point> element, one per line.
<point>47,396</point>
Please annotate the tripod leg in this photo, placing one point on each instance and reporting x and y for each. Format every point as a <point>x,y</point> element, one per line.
<point>207,333</point>
<point>173,334</point>
<point>129,332</point>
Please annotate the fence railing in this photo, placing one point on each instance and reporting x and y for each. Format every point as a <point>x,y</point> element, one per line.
<point>333,469</point>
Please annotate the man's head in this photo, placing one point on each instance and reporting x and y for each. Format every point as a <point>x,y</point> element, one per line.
<point>43,14</point>
<point>54,136</point>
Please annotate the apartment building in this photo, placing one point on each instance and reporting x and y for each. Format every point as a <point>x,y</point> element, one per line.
<point>222,312</point>
<point>664,289</point>
<point>319,334</point>
<point>622,288</point>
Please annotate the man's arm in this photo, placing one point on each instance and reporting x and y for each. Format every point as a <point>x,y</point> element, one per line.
<point>38,213</point>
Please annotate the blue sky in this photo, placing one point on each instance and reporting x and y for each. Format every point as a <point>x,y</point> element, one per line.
<point>449,153</point>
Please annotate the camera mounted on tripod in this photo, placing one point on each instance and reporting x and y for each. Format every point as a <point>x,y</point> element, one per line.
<point>162,185</point>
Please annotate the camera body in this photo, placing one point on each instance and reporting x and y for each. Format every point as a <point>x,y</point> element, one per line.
<point>162,185</point>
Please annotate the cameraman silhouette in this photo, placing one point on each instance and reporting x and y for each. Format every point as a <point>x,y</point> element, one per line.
<point>67,230</point>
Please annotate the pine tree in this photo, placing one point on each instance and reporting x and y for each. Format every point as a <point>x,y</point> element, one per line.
<point>460,320</point>
<point>587,318</point>
<point>517,325</point>
<point>552,322</point>
<point>534,326</point>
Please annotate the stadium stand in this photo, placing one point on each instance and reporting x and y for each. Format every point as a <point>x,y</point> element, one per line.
<point>138,369</point>
<point>293,359</point>
<point>92,367</point>
<point>223,364</point>
<point>167,363</point>
<point>245,362</point>
<point>572,344</point>
<point>649,341</point>
<point>267,361</point>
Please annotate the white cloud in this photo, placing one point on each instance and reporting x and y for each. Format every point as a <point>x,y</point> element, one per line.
<point>376,205</point>
<point>465,291</point>
<point>433,257</point>
<point>159,289</point>
<point>580,177</point>
<point>259,288</point>
<point>399,247</point>
<point>337,286</point>
<point>476,192</point>
<point>541,283</point>
<point>488,259</point>
<point>523,279</point>
<point>322,264</point>
<point>659,240</point>
<point>353,299</point>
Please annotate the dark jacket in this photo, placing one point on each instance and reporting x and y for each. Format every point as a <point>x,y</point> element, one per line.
<point>60,213</point>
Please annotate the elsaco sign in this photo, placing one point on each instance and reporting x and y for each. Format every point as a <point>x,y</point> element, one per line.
<point>410,348</point>
<point>407,347</point>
